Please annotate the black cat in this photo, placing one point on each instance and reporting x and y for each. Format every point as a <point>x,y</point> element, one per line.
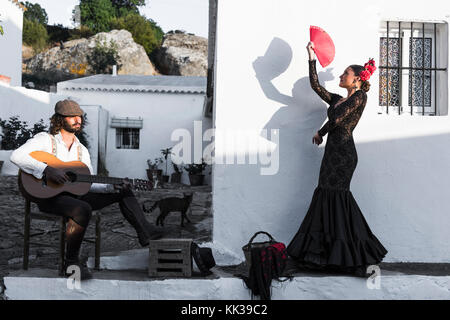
<point>171,204</point>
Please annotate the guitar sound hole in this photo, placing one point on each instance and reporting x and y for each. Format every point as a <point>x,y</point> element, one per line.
<point>72,176</point>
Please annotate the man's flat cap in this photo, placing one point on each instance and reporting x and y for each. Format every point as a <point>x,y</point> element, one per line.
<point>68,108</point>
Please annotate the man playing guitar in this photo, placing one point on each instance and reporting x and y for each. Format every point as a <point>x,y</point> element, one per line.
<point>62,142</point>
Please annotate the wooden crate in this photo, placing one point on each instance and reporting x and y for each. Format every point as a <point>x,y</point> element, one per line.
<point>170,258</point>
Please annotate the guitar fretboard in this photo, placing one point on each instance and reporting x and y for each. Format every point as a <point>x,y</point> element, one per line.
<point>101,179</point>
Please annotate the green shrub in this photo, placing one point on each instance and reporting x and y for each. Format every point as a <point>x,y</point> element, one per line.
<point>34,35</point>
<point>57,33</point>
<point>145,31</point>
<point>15,132</point>
<point>1,28</point>
<point>103,57</point>
<point>82,32</point>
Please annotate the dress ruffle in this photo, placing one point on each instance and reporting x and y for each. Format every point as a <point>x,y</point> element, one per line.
<point>334,234</point>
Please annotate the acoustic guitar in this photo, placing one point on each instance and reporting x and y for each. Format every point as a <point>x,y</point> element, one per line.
<point>79,183</point>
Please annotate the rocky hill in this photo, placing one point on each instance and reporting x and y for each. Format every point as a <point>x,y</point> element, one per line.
<point>182,54</point>
<point>69,60</point>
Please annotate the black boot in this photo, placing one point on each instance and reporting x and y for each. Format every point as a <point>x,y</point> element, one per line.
<point>74,236</point>
<point>132,211</point>
<point>361,271</point>
<point>84,271</point>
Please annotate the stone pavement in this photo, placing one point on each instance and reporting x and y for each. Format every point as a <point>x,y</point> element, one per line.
<point>117,233</point>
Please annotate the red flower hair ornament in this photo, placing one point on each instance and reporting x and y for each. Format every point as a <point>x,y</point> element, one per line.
<point>369,69</point>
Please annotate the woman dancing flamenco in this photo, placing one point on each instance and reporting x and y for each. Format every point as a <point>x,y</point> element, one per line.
<point>334,234</point>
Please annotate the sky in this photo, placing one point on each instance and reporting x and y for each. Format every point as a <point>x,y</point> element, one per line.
<point>188,15</point>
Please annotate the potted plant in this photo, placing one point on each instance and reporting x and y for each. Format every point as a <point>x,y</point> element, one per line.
<point>176,176</point>
<point>165,153</point>
<point>153,170</point>
<point>195,171</point>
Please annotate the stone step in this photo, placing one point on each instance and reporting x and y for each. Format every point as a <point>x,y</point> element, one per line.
<point>36,284</point>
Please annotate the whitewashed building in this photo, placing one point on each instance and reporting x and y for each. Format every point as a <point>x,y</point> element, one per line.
<point>130,118</point>
<point>11,17</point>
<point>402,179</point>
<point>136,117</point>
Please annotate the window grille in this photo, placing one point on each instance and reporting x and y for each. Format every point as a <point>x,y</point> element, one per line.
<point>418,44</point>
<point>127,138</point>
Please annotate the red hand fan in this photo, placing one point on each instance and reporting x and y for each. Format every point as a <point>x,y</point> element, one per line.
<point>323,45</point>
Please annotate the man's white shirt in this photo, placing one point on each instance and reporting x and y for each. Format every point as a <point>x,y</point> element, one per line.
<point>43,142</point>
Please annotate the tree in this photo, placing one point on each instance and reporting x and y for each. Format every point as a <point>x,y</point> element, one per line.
<point>34,34</point>
<point>97,14</point>
<point>145,31</point>
<point>35,13</point>
<point>125,7</point>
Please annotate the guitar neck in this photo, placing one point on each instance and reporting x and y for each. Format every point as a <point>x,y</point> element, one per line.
<point>101,179</point>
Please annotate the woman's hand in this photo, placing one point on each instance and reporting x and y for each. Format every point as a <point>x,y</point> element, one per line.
<point>317,139</point>
<point>310,49</point>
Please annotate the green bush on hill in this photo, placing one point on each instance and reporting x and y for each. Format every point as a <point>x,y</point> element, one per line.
<point>103,57</point>
<point>34,34</point>
<point>145,31</point>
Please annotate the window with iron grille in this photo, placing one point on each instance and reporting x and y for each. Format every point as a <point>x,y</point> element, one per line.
<point>413,73</point>
<point>127,138</point>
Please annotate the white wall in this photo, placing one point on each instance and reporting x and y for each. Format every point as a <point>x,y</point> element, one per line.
<point>402,179</point>
<point>161,113</point>
<point>11,42</point>
<point>33,105</point>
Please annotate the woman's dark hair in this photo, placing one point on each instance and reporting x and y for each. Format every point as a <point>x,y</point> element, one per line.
<point>57,123</point>
<point>365,86</point>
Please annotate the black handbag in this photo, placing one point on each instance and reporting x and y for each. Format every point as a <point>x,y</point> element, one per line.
<point>264,261</point>
<point>251,245</point>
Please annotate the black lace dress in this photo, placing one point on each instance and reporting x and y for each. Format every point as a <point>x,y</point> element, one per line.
<point>334,233</point>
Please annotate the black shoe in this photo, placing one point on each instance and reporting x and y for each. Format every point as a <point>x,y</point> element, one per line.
<point>84,271</point>
<point>362,272</point>
<point>143,239</point>
<point>132,211</point>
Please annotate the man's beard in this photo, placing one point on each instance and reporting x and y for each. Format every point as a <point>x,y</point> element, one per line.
<point>69,128</point>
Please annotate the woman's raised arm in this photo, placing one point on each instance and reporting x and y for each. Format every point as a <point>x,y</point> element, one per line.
<point>315,85</point>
